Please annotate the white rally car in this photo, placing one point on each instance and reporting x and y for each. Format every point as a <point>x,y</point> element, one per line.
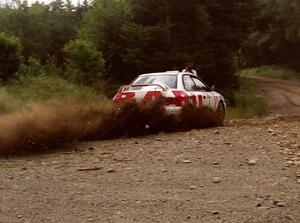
<point>177,89</point>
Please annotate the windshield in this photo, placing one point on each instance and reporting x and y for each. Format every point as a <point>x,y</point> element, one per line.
<point>169,80</point>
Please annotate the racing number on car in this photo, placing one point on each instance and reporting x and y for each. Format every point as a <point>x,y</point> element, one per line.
<point>198,100</point>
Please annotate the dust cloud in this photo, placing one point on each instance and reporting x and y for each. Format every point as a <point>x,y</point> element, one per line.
<point>44,126</point>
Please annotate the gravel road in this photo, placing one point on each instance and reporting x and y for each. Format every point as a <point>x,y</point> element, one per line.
<point>283,96</point>
<point>244,172</point>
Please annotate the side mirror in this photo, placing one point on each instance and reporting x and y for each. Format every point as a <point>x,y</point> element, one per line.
<point>212,88</point>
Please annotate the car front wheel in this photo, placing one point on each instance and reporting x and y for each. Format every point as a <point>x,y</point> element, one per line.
<point>220,114</point>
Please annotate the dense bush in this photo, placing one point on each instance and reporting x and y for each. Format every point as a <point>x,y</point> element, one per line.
<point>84,63</point>
<point>245,102</point>
<point>10,56</point>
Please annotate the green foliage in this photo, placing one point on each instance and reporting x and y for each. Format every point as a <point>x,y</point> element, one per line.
<point>246,102</point>
<point>103,25</point>
<point>166,35</point>
<point>35,83</point>
<point>42,29</point>
<point>84,64</point>
<point>34,67</point>
<point>275,38</point>
<point>272,72</point>
<point>41,88</point>
<point>138,36</point>
<point>38,83</point>
<point>10,56</point>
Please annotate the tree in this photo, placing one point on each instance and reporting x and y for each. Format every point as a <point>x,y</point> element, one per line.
<point>142,36</point>
<point>84,63</point>
<point>169,34</point>
<point>231,21</point>
<point>103,25</point>
<point>43,29</point>
<point>275,38</point>
<point>10,56</point>
<point>138,36</point>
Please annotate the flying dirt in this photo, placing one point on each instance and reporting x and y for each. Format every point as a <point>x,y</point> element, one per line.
<point>245,172</point>
<point>44,126</point>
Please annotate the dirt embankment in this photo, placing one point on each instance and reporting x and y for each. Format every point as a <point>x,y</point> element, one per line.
<point>244,172</point>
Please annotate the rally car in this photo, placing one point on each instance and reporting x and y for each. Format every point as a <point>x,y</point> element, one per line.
<point>176,88</point>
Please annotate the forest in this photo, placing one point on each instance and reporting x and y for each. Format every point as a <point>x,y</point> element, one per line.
<point>101,44</point>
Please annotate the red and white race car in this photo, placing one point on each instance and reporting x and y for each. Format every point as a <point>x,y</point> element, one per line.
<point>177,89</point>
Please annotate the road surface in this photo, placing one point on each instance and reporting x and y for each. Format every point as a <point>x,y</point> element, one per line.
<point>283,96</point>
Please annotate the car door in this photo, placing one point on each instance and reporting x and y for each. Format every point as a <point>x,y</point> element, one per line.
<point>203,89</point>
<point>199,93</point>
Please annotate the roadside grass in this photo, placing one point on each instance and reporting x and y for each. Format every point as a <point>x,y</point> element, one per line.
<point>272,72</point>
<point>246,102</point>
<point>41,88</point>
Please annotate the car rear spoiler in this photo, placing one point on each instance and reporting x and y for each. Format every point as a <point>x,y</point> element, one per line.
<point>126,87</point>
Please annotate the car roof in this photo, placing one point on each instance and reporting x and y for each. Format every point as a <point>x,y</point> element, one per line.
<point>162,73</point>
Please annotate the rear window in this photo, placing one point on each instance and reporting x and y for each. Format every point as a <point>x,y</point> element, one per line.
<point>169,80</point>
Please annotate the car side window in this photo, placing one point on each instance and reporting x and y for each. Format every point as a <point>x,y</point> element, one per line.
<point>189,84</point>
<point>199,84</point>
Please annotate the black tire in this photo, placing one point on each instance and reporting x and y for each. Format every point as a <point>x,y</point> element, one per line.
<point>220,114</point>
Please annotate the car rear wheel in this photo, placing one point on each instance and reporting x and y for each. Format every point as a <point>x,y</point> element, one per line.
<point>220,114</point>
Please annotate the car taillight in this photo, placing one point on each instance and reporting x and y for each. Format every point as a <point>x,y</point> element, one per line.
<point>123,97</point>
<point>179,99</point>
